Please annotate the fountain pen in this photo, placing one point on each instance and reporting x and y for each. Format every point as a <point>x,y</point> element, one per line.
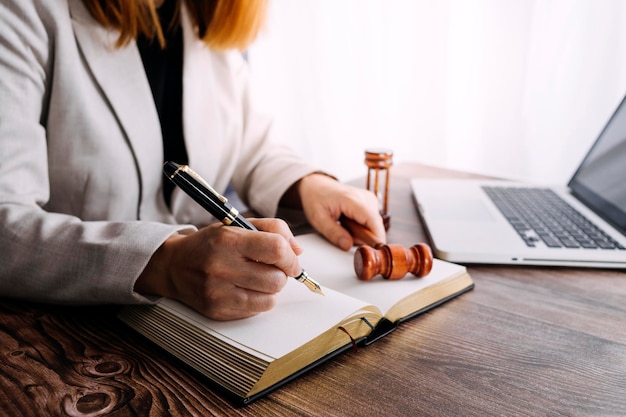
<point>216,204</point>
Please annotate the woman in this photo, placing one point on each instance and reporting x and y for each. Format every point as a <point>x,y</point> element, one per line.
<point>95,96</point>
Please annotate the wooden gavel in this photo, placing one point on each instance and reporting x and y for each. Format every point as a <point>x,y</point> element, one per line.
<point>391,261</point>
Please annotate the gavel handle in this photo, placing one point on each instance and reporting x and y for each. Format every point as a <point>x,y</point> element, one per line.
<point>359,232</point>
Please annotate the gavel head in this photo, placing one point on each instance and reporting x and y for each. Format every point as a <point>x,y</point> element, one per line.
<point>392,261</point>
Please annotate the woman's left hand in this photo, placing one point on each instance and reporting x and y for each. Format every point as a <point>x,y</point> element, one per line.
<point>325,200</point>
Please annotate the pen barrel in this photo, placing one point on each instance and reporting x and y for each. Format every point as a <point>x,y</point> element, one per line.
<point>197,192</point>
<point>243,223</point>
<point>204,195</point>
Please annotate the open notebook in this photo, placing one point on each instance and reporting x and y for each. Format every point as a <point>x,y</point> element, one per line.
<point>251,357</point>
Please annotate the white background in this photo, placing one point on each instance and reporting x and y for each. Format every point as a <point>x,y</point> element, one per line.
<point>515,88</point>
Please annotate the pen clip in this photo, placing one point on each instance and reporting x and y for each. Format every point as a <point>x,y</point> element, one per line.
<point>194,174</point>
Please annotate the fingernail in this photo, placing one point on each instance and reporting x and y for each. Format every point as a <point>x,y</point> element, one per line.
<point>294,242</point>
<point>344,243</point>
<point>295,246</point>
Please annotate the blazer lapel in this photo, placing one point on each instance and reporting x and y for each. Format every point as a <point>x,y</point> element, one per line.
<point>120,74</point>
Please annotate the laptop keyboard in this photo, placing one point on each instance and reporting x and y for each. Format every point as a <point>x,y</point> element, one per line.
<point>539,214</point>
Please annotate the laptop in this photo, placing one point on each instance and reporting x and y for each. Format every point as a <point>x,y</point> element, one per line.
<point>581,223</point>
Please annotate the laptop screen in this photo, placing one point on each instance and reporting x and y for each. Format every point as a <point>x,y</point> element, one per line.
<point>600,180</point>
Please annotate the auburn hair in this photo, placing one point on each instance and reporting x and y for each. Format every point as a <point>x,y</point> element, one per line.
<point>221,24</point>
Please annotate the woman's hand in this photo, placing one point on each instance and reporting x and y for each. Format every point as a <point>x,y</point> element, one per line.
<point>325,200</point>
<point>224,272</point>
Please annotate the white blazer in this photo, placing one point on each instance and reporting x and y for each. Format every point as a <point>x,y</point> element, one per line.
<point>81,206</point>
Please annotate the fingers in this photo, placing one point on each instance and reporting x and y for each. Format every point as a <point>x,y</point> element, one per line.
<point>221,300</point>
<point>230,293</point>
<point>363,209</point>
<point>276,246</point>
<point>279,227</point>
<point>229,272</point>
<point>367,215</point>
<point>336,234</point>
<point>325,200</point>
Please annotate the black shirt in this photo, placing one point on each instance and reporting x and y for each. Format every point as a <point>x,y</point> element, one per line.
<point>164,69</point>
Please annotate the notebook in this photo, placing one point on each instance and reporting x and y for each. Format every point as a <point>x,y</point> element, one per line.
<point>581,223</point>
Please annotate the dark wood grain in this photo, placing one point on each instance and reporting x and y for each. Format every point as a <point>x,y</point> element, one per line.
<point>525,341</point>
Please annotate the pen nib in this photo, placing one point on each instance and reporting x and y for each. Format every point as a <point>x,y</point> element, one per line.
<point>309,282</point>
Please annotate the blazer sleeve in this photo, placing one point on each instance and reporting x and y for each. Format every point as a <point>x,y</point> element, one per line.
<point>45,256</point>
<point>266,167</point>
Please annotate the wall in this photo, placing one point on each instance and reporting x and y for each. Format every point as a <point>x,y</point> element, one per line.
<point>504,87</point>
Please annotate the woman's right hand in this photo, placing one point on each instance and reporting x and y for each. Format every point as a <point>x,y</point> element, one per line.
<point>224,272</point>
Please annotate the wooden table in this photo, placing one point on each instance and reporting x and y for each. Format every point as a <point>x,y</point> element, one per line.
<point>525,341</point>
